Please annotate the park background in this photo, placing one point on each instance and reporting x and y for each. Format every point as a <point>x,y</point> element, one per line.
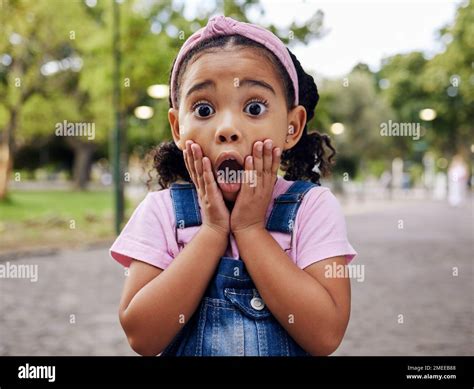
<point>407,199</point>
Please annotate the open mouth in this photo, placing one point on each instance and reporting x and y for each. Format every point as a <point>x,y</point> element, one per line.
<point>229,175</point>
<point>230,165</point>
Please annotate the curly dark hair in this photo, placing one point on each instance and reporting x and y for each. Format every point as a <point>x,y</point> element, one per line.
<point>298,162</point>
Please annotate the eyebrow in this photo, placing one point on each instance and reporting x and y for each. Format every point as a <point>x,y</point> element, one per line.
<point>259,83</point>
<point>244,82</point>
<point>200,86</point>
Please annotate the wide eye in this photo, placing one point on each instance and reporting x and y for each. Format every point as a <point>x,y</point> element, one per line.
<point>203,110</point>
<point>255,108</point>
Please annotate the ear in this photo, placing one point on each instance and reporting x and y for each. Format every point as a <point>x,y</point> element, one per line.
<point>297,119</point>
<point>173,118</point>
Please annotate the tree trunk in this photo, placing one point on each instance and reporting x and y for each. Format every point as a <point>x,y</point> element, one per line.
<point>6,153</point>
<point>83,152</point>
<point>5,169</point>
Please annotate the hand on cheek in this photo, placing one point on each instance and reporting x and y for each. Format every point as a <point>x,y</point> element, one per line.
<point>255,194</point>
<point>216,214</point>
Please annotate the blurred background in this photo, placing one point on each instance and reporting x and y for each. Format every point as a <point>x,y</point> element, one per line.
<point>84,98</point>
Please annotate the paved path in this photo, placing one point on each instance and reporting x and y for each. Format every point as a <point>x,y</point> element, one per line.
<point>407,271</point>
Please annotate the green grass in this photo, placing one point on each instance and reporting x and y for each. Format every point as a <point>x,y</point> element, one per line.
<point>23,206</point>
<point>31,218</point>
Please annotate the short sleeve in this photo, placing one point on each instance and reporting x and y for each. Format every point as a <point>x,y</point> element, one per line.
<point>145,235</point>
<point>321,229</point>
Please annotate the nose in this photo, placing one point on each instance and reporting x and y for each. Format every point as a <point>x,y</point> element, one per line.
<point>227,134</point>
<point>227,131</point>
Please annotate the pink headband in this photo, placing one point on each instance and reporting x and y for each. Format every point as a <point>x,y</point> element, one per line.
<point>221,25</point>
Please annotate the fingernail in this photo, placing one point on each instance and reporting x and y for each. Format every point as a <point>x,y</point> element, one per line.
<point>268,145</point>
<point>259,147</point>
<point>278,152</point>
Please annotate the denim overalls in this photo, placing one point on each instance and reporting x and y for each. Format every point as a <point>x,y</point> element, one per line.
<point>232,319</point>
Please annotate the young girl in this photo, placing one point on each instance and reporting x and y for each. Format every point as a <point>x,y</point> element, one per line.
<point>226,266</point>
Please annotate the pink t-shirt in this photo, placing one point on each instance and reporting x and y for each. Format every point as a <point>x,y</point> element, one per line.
<point>320,230</point>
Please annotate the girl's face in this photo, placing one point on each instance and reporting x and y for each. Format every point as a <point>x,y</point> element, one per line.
<point>229,99</point>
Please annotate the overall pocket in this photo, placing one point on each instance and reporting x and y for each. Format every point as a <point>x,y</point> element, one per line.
<point>265,336</point>
<point>249,302</point>
<point>236,325</point>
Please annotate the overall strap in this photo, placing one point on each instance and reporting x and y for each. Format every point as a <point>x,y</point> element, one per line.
<point>285,207</point>
<point>186,205</point>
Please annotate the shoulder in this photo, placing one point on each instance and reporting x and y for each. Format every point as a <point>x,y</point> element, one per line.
<point>321,230</point>
<point>148,233</point>
<point>314,197</point>
<point>157,199</point>
<point>320,204</point>
<point>319,195</point>
<point>154,207</point>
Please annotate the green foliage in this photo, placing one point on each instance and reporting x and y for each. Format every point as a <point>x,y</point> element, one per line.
<point>443,83</point>
<point>355,103</point>
<point>150,37</point>
<point>151,34</point>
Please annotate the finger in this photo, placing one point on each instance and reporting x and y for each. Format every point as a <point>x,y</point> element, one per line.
<point>276,161</point>
<point>187,160</point>
<point>245,187</point>
<point>197,155</point>
<point>267,163</point>
<point>189,153</point>
<point>267,156</point>
<point>185,157</point>
<point>190,160</point>
<point>210,184</point>
<point>257,160</point>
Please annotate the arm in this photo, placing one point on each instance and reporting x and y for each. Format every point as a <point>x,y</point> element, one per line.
<point>312,308</point>
<point>154,300</point>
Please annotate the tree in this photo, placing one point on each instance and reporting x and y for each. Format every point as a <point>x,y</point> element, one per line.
<point>354,101</point>
<point>443,83</point>
<point>449,83</point>
<point>62,57</point>
<point>39,68</point>
<point>401,78</point>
